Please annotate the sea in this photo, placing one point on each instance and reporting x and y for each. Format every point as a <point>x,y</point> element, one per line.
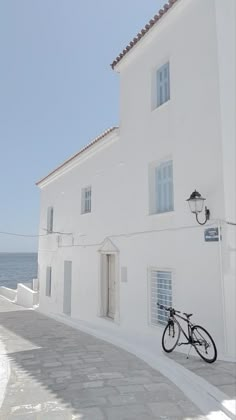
<point>17,268</point>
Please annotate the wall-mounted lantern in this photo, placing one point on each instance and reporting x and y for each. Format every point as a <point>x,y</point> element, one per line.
<point>196,203</point>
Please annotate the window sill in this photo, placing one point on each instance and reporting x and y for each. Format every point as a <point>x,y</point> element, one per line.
<point>115,321</point>
<point>159,327</point>
<point>162,106</point>
<point>107,318</point>
<point>170,212</point>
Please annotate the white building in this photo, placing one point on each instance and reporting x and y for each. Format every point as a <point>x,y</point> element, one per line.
<point>122,235</point>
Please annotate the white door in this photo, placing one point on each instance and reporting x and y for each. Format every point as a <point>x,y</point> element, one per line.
<point>67,287</point>
<point>111,292</point>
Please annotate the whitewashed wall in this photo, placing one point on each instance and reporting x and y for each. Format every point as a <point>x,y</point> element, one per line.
<point>189,130</point>
<point>226,41</point>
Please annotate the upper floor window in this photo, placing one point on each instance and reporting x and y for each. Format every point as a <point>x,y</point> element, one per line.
<point>164,187</point>
<point>50,220</point>
<point>163,84</point>
<point>86,200</point>
<point>161,189</point>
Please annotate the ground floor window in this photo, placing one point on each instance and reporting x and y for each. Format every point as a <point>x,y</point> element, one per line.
<point>49,281</point>
<point>67,293</point>
<point>161,291</point>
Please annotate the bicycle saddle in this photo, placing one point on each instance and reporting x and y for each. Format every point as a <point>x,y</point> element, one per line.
<point>187,315</point>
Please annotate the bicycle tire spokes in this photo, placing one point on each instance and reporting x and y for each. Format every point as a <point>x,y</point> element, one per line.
<point>196,335</point>
<point>170,336</point>
<point>204,344</point>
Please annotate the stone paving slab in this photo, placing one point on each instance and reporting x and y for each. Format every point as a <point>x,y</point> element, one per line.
<point>220,374</point>
<point>60,373</point>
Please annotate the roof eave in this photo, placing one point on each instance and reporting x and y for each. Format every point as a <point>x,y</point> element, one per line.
<point>142,33</point>
<point>66,164</point>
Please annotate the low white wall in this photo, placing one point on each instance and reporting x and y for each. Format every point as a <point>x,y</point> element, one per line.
<point>28,284</point>
<point>8,293</point>
<point>35,284</point>
<point>26,297</point>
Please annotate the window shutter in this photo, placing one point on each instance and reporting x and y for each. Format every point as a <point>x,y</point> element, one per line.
<point>163,84</point>
<point>165,206</point>
<point>86,196</point>
<point>166,77</point>
<point>164,187</point>
<point>83,200</point>
<point>48,281</point>
<point>159,87</point>
<point>170,190</point>
<point>159,198</point>
<point>50,220</point>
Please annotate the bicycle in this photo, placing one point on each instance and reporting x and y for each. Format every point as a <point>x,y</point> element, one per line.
<point>197,336</point>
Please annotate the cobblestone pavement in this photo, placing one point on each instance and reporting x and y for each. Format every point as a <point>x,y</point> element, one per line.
<point>220,374</point>
<point>60,373</point>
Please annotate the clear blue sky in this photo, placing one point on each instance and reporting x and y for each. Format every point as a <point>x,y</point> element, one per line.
<point>57,92</point>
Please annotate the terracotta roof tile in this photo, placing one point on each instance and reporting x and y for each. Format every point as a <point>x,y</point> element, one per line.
<point>143,31</point>
<point>94,141</point>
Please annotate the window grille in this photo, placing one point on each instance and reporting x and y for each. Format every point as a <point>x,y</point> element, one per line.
<point>163,84</point>
<point>86,200</point>
<point>161,291</point>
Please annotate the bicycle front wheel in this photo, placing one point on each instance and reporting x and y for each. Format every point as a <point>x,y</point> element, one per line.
<point>170,336</point>
<point>204,344</point>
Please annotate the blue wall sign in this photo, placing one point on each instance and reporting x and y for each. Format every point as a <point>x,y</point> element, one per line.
<point>211,234</point>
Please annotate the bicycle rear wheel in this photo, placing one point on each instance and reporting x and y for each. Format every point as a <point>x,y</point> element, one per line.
<point>204,344</point>
<point>170,336</point>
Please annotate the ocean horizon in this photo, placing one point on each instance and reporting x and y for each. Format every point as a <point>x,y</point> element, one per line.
<point>17,267</point>
<point>17,252</point>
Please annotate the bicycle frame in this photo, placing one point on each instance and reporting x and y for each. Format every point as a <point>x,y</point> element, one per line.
<point>190,326</point>
<point>196,336</point>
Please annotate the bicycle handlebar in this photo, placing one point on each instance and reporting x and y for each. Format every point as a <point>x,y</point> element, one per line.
<point>168,309</point>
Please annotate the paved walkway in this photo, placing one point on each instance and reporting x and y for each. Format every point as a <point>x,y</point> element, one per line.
<point>60,373</point>
<point>220,374</point>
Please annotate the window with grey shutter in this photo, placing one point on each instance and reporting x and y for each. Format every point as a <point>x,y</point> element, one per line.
<point>164,193</point>
<point>49,281</point>
<point>163,84</point>
<point>161,291</point>
<point>50,220</point>
<point>86,199</point>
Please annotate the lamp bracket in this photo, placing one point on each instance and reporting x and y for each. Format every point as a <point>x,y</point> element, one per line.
<point>207,216</point>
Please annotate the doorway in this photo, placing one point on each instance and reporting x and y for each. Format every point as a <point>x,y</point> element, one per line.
<point>111,292</point>
<point>108,300</point>
<point>109,288</point>
<point>67,287</point>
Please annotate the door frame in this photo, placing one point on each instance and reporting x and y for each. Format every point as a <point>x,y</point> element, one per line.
<point>108,249</point>
<point>110,285</point>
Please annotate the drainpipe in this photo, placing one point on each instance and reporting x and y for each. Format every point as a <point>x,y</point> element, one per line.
<point>222,289</point>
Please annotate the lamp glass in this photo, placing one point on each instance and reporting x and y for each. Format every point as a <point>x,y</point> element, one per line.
<point>196,204</point>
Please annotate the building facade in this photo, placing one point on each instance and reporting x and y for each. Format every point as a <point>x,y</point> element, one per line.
<point>120,235</point>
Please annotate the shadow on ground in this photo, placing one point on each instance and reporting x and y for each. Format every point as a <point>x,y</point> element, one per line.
<point>61,373</point>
